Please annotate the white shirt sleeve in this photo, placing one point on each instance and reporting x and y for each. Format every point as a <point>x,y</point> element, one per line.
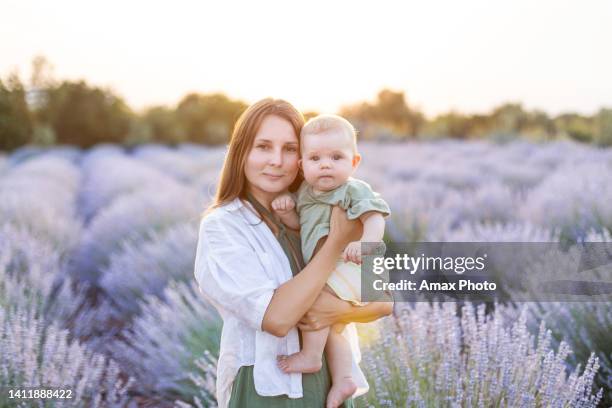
<point>229,271</point>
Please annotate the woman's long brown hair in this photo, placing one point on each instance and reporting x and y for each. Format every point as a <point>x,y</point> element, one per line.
<point>233,182</point>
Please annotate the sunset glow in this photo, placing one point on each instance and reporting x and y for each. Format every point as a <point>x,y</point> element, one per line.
<point>445,55</point>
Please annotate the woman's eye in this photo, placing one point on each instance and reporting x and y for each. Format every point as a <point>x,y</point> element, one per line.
<point>262,147</point>
<point>292,149</point>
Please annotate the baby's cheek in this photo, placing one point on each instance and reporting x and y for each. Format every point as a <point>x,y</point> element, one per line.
<point>309,173</point>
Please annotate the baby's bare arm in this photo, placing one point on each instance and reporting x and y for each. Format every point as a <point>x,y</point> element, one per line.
<point>373,226</point>
<point>373,231</point>
<point>290,219</point>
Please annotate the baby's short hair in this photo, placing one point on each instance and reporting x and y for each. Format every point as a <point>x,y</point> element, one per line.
<point>326,123</point>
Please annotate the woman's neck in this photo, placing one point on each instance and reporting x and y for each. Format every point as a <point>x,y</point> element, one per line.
<point>266,202</point>
<point>263,198</point>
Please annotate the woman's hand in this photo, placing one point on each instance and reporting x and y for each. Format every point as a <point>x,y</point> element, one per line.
<point>329,309</point>
<point>343,230</point>
<point>326,311</point>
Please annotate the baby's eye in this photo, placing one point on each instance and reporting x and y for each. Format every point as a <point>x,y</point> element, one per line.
<point>337,157</point>
<point>314,158</point>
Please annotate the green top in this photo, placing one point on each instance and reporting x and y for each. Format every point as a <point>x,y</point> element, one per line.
<point>355,196</point>
<point>315,386</point>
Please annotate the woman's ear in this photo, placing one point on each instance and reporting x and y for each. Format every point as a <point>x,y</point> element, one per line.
<point>356,160</point>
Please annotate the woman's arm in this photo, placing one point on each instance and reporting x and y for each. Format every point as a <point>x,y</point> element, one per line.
<point>293,298</point>
<point>329,309</point>
<point>365,314</point>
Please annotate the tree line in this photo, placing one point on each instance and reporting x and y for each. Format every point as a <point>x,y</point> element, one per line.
<point>390,117</point>
<point>47,112</point>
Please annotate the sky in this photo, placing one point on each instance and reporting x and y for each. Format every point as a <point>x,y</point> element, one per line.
<point>469,55</point>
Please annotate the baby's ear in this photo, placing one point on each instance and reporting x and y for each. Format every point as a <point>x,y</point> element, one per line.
<point>300,163</point>
<point>356,160</point>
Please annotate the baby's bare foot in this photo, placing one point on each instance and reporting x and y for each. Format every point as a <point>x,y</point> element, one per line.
<point>299,363</point>
<point>340,391</point>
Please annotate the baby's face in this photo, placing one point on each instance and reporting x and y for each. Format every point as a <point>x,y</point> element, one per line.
<point>328,160</point>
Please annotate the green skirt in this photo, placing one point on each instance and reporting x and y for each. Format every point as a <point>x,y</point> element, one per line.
<point>315,387</point>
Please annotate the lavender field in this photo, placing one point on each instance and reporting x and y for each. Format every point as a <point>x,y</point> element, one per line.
<point>97,291</point>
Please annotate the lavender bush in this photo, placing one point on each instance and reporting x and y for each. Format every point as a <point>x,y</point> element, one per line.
<point>429,356</point>
<point>162,347</point>
<point>38,195</point>
<point>204,379</point>
<point>435,186</point>
<point>172,162</point>
<point>31,271</point>
<point>35,350</point>
<point>132,217</point>
<point>39,355</point>
<point>109,174</point>
<point>150,265</point>
<point>498,232</point>
<point>586,327</point>
<point>97,247</point>
<point>585,189</point>
<point>69,153</point>
<point>25,153</point>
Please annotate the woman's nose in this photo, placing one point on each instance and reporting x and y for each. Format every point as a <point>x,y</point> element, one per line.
<point>276,158</point>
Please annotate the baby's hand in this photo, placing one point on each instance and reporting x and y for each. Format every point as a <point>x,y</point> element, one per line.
<point>283,204</point>
<point>352,252</point>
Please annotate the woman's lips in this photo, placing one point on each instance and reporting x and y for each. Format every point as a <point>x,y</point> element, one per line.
<point>273,176</point>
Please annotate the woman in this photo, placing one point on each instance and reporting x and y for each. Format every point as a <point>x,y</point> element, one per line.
<point>249,266</point>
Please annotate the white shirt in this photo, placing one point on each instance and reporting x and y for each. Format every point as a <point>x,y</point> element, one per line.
<point>239,263</point>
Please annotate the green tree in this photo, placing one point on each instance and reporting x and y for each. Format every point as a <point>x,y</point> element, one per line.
<point>479,125</point>
<point>603,127</point>
<point>393,109</point>
<point>509,118</point>
<point>539,126</point>
<point>42,74</point>
<point>82,115</point>
<point>390,111</point>
<point>574,126</point>
<point>208,119</point>
<point>41,81</point>
<point>164,125</point>
<point>15,118</point>
<point>452,124</point>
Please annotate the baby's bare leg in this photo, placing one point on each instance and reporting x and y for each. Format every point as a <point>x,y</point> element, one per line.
<point>307,360</point>
<point>339,359</point>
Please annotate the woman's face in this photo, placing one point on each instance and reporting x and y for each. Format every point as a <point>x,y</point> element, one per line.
<point>272,164</point>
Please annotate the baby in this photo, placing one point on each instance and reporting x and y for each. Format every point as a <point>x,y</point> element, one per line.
<point>329,158</point>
